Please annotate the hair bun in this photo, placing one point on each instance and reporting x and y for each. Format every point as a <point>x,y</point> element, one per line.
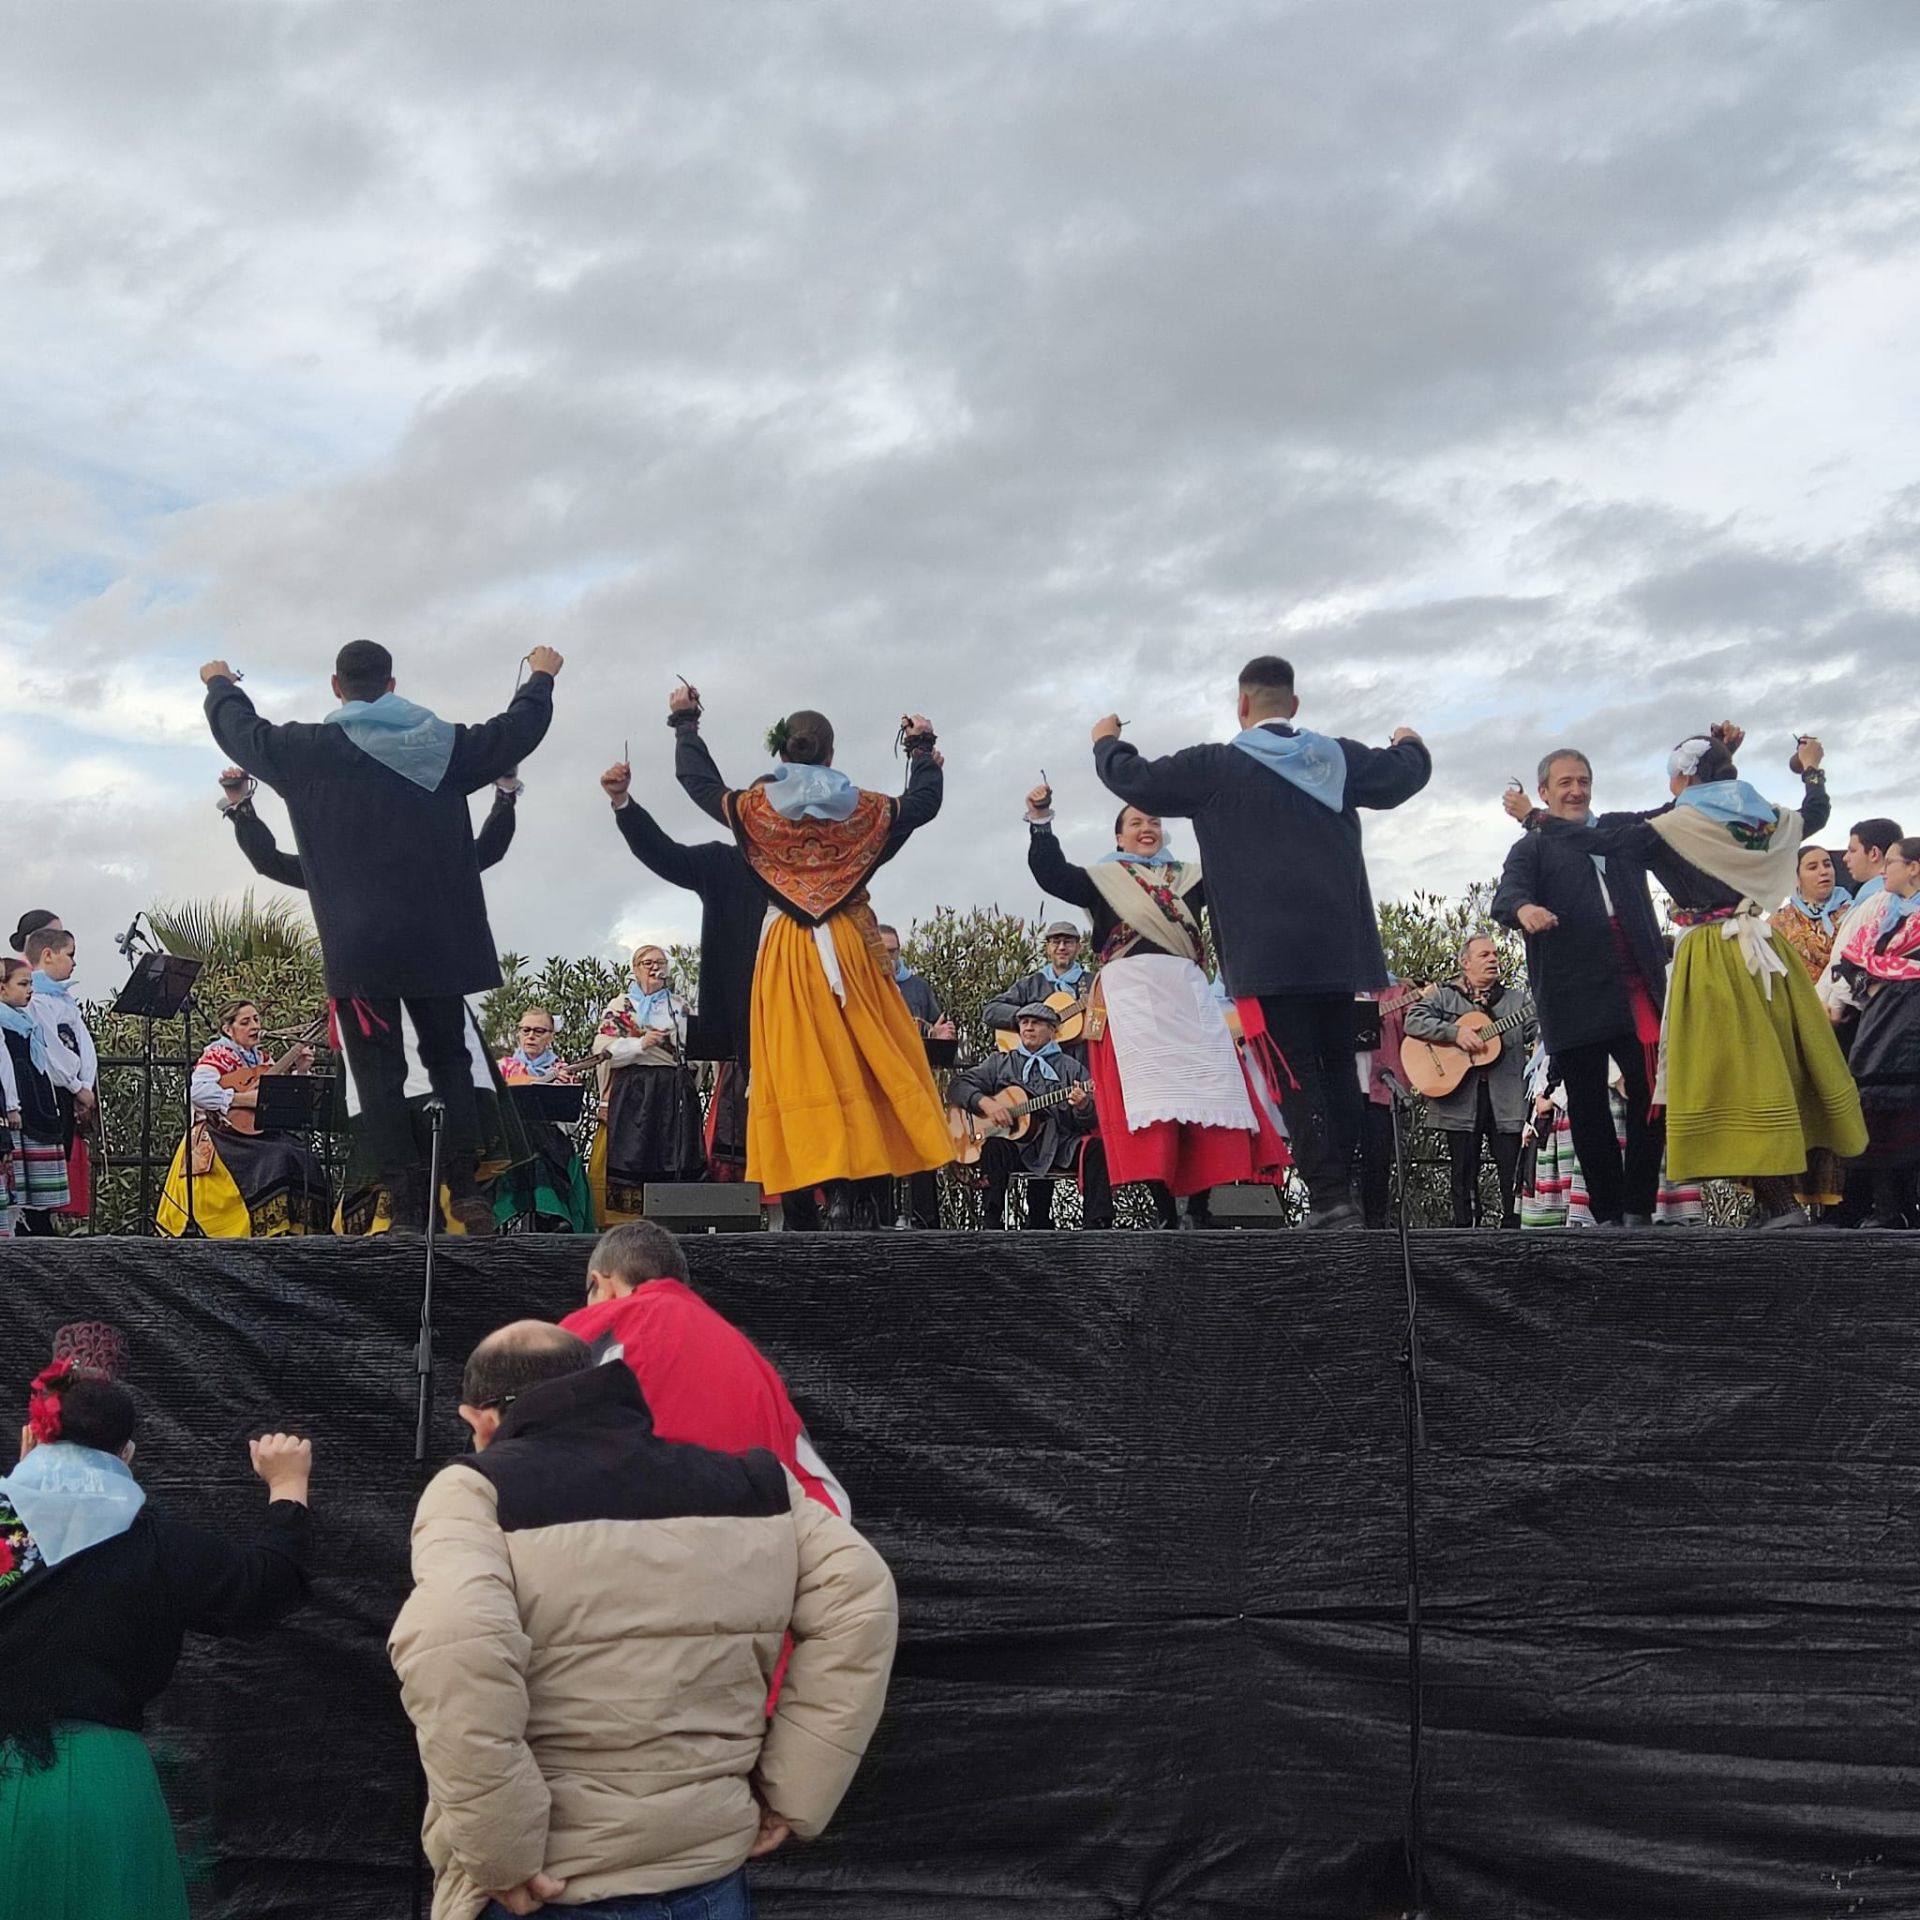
<point>93,1347</point>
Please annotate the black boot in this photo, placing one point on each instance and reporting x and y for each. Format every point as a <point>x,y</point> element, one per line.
<point>837,1215</point>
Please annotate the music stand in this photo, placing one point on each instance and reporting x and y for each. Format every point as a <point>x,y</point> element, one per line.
<point>293,1102</point>
<point>543,1101</point>
<point>161,986</point>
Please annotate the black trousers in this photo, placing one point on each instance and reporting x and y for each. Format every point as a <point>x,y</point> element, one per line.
<point>1001,1161</point>
<point>1376,1164</point>
<point>1615,1184</point>
<point>375,1045</point>
<point>1320,1093</point>
<point>1463,1150</point>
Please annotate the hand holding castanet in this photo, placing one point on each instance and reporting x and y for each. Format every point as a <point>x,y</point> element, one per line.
<point>1107,728</point>
<point>544,660</point>
<point>215,670</point>
<point>616,782</point>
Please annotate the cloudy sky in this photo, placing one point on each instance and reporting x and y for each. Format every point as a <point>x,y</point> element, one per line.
<point>1524,371</point>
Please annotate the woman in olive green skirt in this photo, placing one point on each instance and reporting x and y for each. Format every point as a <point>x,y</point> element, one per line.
<point>83,1828</point>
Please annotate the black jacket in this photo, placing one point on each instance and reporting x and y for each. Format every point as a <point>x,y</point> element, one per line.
<point>1053,1144</point>
<point>391,868</point>
<point>1574,970</point>
<point>40,1113</point>
<point>732,907</point>
<point>98,1636</point>
<point>921,1003</point>
<point>264,856</point>
<point>1286,877</point>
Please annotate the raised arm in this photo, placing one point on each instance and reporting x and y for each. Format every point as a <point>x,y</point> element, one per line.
<point>693,766</point>
<point>490,844</point>
<point>495,747</point>
<point>461,1653</point>
<point>1179,785</point>
<point>654,850</point>
<point>246,739</point>
<point>1057,874</point>
<point>1387,776</point>
<point>261,849</point>
<point>926,788</point>
<point>224,1588</point>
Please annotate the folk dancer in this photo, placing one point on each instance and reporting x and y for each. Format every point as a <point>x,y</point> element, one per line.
<point>377,795</point>
<point>35,1181</point>
<point>1753,1078</point>
<point>1597,970</point>
<point>841,1088</point>
<point>1064,970</point>
<point>1810,918</point>
<point>1177,1107</point>
<point>1882,962</point>
<point>1490,1103</point>
<point>1865,859</point>
<point>1059,1142</point>
<point>1276,814</point>
<point>71,1058</point>
<point>1553,1185</point>
<point>652,1131</point>
<point>248,1183</point>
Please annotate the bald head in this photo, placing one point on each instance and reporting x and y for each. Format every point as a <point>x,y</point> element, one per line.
<point>508,1363</point>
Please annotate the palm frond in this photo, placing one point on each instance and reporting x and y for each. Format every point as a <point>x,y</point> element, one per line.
<point>222,933</point>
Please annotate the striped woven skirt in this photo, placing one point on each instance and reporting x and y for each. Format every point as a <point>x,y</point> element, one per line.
<point>43,1174</point>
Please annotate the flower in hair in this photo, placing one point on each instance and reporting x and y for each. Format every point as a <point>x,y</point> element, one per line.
<point>777,739</point>
<point>43,1399</point>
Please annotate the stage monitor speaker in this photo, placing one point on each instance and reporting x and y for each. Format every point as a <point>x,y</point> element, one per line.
<point>700,1206</point>
<point>1248,1206</point>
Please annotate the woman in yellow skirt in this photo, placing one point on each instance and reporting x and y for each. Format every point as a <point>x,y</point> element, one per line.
<point>841,1090</point>
<point>1753,1078</point>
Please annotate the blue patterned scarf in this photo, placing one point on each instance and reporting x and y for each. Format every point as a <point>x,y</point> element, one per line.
<point>71,1498</point>
<point>1310,761</point>
<point>413,741</point>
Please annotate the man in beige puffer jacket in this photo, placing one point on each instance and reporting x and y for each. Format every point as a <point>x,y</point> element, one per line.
<point>596,1617</point>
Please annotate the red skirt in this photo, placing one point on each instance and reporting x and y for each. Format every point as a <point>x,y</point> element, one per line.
<point>1186,1159</point>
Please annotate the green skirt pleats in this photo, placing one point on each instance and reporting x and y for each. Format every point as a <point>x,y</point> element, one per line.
<point>1754,1083</point>
<point>88,1838</point>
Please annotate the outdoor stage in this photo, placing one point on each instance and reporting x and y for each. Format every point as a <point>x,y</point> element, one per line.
<point>1144,1498</point>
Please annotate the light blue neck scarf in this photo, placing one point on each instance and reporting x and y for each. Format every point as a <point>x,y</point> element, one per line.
<point>71,1498</point>
<point>539,1062</point>
<point>1898,909</point>
<point>653,1009</point>
<point>1043,1056</point>
<point>902,972</point>
<point>811,793</point>
<point>45,983</point>
<point>1733,803</point>
<point>1071,978</point>
<point>414,742</point>
<point>1837,901</point>
<point>1868,888</point>
<point>1311,761</point>
<point>1164,857</point>
<point>19,1020</point>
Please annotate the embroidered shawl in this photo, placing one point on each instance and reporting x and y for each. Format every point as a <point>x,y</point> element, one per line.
<point>1151,905</point>
<point>1901,960</point>
<point>1757,863</point>
<point>813,868</point>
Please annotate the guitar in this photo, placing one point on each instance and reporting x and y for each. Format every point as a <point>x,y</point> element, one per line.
<point>1073,1020</point>
<point>1436,1067</point>
<point>970,1132</point>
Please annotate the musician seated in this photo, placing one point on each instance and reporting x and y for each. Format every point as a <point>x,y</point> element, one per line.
<point>652,1131</point>
<point>536,1058</point>
<point>248,1182</point>
<point>1491,1100</point>
<point>1064,977</point>
<point>1058,1141</point>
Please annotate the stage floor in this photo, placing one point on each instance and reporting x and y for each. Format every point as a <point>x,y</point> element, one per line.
<point>1144,1497</point>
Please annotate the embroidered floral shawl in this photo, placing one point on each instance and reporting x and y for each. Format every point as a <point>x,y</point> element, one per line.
<point>813,868</point>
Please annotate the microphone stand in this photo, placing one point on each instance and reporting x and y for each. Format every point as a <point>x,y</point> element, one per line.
<point>1414,1421</point>
<point>436,1111</point>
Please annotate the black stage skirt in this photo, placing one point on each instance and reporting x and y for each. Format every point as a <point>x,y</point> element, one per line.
<point>1886,1068</point>
<point>653,1132</point>
<point>280,1179</point>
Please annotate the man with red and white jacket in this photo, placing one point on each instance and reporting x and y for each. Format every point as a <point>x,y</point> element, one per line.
<point>703,1380</point>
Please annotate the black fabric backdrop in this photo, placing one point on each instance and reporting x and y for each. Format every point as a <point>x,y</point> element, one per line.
<point>1143,1498</point>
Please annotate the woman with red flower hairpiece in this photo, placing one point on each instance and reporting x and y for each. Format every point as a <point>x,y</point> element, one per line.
<point>82,1823</point>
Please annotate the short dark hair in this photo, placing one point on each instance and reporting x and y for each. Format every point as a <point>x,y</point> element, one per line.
<point>1810,846</point>
<point>47,940</point>
<point>1269,672</point>
<point>637,1250</point>
<point>809,741</point>
<point>505,1364</point>
<point>1562,753</point>
<point>363,668</point>
<point>1909,845</point>
<point>883,927</point>
<point>1876,835</point>
<point>31,922</point>
<point>1120,818</point>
